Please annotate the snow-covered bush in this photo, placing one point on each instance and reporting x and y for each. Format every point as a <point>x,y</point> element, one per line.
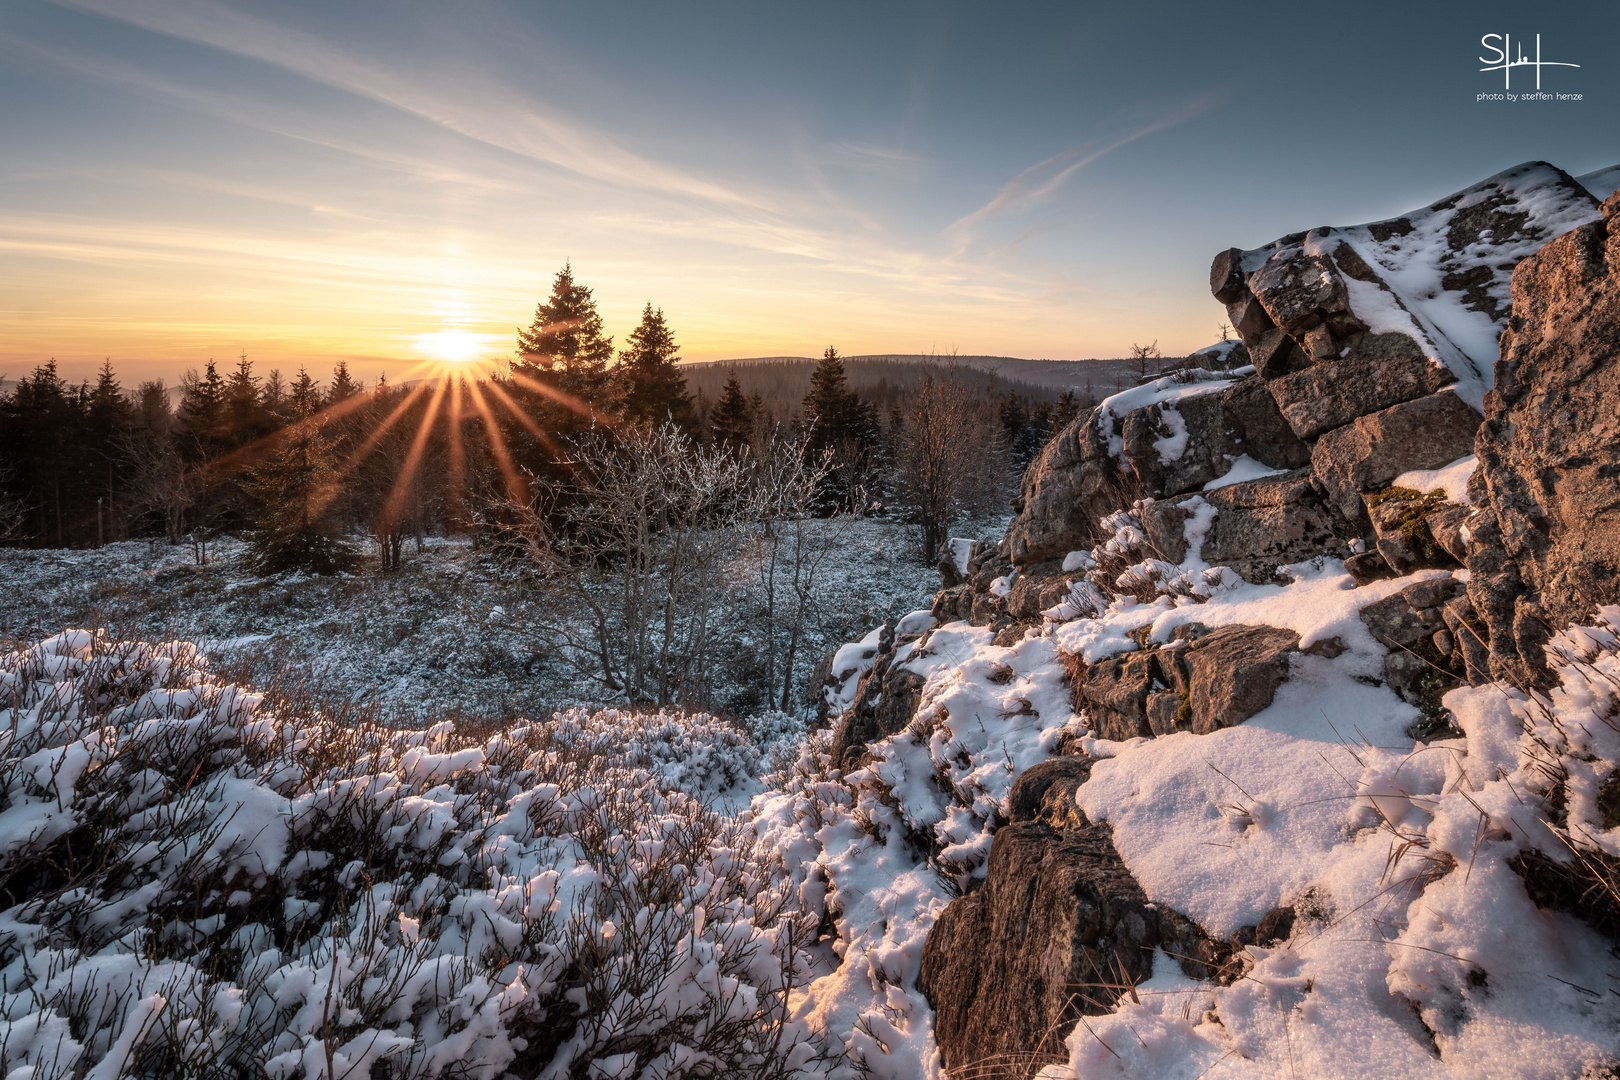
<point>206,881</point>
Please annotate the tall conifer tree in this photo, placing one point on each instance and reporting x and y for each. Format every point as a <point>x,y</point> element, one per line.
<point>732,418</point>
<point>296,487</point>
<point>565,347</point>
<point>839,423</point>
<point>343,385</point>
<point>652,389</point>
<point>202,413</point>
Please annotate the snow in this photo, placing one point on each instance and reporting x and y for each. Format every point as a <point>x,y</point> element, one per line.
<point>1416,258</point>
<point>1077,560</point>
<point>1171,446</point>
<point>1243,468</point>
<point>395,637</point>
<point>1165,391</point>
<point>437,887</point>
<point>1452,479</point>
<point>1601,182</point>
<point>1225,849</point>
<point>369,893</point>
<point>1393,853</point>
<point>1217,355</point>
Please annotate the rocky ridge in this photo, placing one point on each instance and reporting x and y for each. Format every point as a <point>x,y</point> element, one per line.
<point>1353,437</point>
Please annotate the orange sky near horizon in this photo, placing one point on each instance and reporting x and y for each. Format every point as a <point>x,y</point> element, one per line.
<point>159,304</point>
<point>306,183</point>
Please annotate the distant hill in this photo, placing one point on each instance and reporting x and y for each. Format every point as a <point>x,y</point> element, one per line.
<point>1061,374</point>
<point>783,381</point>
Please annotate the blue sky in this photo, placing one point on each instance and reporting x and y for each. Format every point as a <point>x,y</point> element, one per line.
<point>309,181</point>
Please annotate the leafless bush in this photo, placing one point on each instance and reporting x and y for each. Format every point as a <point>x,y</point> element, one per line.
<point>207,881</point>
<point>951,457</point>
<point>631,551</point>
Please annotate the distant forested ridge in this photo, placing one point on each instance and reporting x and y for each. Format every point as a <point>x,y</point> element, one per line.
<point>782,381</point>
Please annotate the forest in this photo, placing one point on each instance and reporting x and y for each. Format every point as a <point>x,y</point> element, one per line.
<point>91,463</point>
<point>676,538</point>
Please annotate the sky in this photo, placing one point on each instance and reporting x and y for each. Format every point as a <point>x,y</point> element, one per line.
<point>303,182</point>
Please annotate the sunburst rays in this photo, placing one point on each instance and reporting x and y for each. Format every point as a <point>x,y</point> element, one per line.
<point>452,398</point>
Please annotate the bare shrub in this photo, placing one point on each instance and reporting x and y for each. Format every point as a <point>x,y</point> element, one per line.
<point>951,458</point>
<point>631,551</point>
<point>210,881</point>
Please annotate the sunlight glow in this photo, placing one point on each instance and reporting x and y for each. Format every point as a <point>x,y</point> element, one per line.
<point>451,345</point>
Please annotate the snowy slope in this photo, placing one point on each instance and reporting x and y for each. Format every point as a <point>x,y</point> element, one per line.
<point>1601,182</point>
<point>1448,266</point>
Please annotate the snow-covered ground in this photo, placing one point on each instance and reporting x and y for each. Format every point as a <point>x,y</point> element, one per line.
<point>661,896</point>
<point>443,634</point>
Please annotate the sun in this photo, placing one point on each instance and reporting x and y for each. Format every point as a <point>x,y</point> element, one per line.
<point>451,345</point>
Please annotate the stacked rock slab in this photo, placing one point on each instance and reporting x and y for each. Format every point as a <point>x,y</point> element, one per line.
<point>1546,542</point>
<point>1201,681</point>
<point>1081,476</point>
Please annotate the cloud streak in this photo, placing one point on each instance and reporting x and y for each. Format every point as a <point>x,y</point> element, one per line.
<point>523,128</point>
<point>1040,181</point>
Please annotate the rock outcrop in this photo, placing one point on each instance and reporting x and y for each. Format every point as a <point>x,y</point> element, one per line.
<point>885,699</point>
<point>1186,432</point>
<point>1202,681</point>
<point>1259,525</point>
<point>1546,544</point>
<point>1365,455</point>
<point>1371,350</point>
<point>1380,299</point>
<point>1371,347</point>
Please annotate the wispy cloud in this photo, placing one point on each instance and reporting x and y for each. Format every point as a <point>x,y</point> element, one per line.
<point>521,126</point>
<point>1040,181</point>
<point>812,223</point>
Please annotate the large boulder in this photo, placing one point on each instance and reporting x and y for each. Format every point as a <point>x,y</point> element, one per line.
<point>1057,930</point>
<point>1260,525</point>
<point>1369,453</point>
<point>1102,462</point>
<point>1065,491</point>
<point>1549,451</point>
<point>1261,430</point>
<point>885,701</point>
<point>1429,644</point>
<point>1115,691</point>
<point>1203,681</point>
<point>1178,447</point>
<point>1232,673</point>
<point>1324,396</point>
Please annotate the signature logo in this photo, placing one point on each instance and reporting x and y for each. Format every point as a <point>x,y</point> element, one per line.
<point>1501,62</point>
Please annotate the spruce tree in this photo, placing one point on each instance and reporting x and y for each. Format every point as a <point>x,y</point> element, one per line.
<point>305,396</point>
<point>343,385</point>
<point>560,378</point>
<point>1066,409</point>
<point>296,487</point>
<point>652,389</point>
<point>202,414</point>
<point>274,394</point>
<point>838,423</point>
<point>732,418</point>
<point>107,421</point>
<point>245,418</point>
<point>564,346</point>
<point>37,431</point>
